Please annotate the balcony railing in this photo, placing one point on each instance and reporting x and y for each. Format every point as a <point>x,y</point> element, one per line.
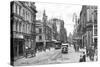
<point>89,24</point>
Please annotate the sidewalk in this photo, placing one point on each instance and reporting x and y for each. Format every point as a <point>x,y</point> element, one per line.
<point>87,58</point>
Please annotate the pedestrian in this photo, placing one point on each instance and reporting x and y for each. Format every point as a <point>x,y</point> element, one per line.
<point>84,57</point>
<point>91,54</point>
<point>81,58</point>
<point>26,51</point>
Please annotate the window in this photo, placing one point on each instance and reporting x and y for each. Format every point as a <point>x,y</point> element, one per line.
<point>95,32</point>
<point>14,8</point>
<point>19,26</point>
<point>19,10</point>
<point>31,18</point>
<point>14,26</point>
<point>26,15</point>
<point>30,28</point>
<point>27,28</point>
<point>40,37</point>
<point>95,21</point>
<point>23,28</point>
<point>23,13</point>
<point>40,30</point>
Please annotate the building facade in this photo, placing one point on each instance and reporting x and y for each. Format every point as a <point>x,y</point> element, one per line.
<point>23,16</point>
<point>47,31</point>
<point>88,22</point>
<point>63,32</point>
<point>58,30</point>
<point>54,29</point>
<point>44,33</point>
<point>39,35</point>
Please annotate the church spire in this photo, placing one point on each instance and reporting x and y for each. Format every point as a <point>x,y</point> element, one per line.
<point>44,16</point>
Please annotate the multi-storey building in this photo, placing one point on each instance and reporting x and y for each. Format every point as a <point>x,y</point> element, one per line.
<point>44,33</point>
<point>54,29</point>
<point>63,32</point>
<point>95,27</point>
<point>23,16</point>
<point>47,30</point>
<point>76,33</point>
<point>88,22</point>
<point>39,34</point>
<point>69,38</point>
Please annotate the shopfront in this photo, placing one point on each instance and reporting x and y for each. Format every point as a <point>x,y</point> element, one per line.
<point>18,47</point>
<point>18,43</point>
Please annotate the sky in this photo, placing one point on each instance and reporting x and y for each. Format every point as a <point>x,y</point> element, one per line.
<point>60,11</point>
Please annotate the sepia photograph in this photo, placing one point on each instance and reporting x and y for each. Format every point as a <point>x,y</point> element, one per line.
<point>52,33</point>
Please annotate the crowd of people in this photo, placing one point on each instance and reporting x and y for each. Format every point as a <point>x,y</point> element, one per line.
<point>90,53</point>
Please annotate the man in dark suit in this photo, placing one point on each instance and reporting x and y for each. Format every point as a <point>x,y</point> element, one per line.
<point>84,57</point>
<point>81,59</point>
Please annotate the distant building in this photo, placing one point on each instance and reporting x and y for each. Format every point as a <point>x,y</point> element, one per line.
<point>59,32</point>
<point>44,32</point>
<point>54,29</point>
<point>63,32</point>
<point>69,38</point>
<point>39,34</point>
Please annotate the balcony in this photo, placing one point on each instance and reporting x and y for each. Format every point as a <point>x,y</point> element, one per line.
<point>89,24</point>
